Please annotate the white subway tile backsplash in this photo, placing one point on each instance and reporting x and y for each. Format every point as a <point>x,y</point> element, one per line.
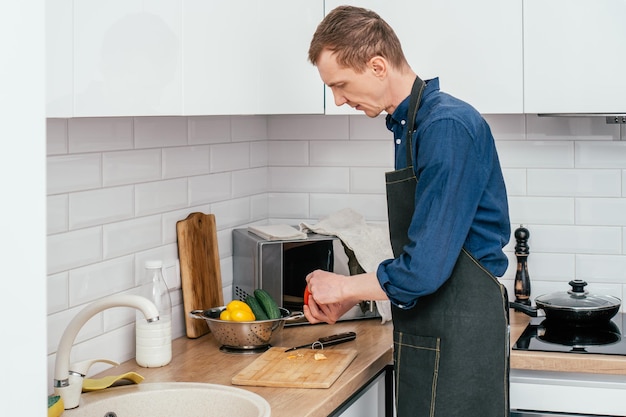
<point>160,132</point>
<point>74,249</point>
<point>309,179</point>
<point>367,128</point>
<point>209,129</point>
<point>168,254</point>
<point>131,167</point>
<point>547,266</point>
<point>56,136</point>
<point>160,196</point>
<point>351,153</point>
<point>315,127</point>
<point>289,205</point>
<point>372,206</point>
<point>258,154</point>
<point>507,126</point>
<point>259,207</point>
<point>574,182</point>
<point>88,283</point>
<point>541,210</point>
<point>565,178</point>
<point>249,182</point>
<point>533,154</point>
<point>230,157</point>
<point>515,181</point>
<point>57,289</point>
<point>577,239</point>
<point>106,205</point>
<point>185,161</point>
<point>287,153</point>
<point>232,213</point>
<point>601,268</point>
<point>130,236</point>
<point>249,128</point>
<point>100,134</point>
<point>601,211</point>
<point>205,189</point>
<point>73,173</point>
<point>57,214</point>
<point>601,154</point>
<point>368,180</point>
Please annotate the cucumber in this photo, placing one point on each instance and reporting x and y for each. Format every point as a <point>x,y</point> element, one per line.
<point>258,311</point>
<point>268,303</point>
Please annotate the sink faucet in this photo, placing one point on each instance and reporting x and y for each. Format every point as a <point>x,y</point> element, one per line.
<point>68,383</point>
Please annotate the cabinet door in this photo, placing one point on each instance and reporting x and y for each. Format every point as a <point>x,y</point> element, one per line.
<point>127,58</point>
<point>59,58</point>
<point>573,59</point>
<point>290,84</point>
<point>222,62</point>
<point>250,57</point>
<point>475,48</point>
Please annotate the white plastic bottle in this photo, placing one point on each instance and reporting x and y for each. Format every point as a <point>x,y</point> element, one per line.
<point>154,340</point>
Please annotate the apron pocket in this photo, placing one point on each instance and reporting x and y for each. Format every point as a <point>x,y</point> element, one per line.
<point>416,364</point>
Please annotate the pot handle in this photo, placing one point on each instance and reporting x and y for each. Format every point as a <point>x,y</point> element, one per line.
<point>526,309</point>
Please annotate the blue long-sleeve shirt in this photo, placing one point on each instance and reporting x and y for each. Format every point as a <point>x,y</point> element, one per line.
<point>461,202</point>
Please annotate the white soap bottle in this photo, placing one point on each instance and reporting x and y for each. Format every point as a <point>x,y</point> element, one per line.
<point>154,340</point>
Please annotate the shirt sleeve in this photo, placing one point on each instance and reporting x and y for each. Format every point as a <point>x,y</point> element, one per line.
<point>451,179</point>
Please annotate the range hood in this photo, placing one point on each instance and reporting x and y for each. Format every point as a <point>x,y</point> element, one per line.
<point>611,118</point>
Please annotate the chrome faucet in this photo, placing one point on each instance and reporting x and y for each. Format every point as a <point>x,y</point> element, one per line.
<point>68,378</point>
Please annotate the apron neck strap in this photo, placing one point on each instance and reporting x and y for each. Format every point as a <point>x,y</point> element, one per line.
<point>414,104</point>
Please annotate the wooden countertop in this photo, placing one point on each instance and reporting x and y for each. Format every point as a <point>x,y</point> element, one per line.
<point>199,360</point>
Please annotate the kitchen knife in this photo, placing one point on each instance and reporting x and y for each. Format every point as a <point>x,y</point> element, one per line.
<point>322,342</point>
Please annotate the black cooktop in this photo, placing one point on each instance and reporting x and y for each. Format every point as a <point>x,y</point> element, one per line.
<point>608,338</point>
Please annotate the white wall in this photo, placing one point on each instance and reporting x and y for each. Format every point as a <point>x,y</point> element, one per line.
<point>23,207</point>
<point>117,186</point>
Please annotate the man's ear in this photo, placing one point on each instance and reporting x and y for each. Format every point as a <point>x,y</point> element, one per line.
<point>378,65</point>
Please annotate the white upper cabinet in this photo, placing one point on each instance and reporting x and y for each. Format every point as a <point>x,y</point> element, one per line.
<point>474,47</point>
<point>59,58</point>
<point>127,58</point>
<point>250,57</point>
<point>181,57</point>
<point>573,56</point>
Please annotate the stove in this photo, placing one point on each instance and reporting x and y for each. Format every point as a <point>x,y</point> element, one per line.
<point>542,335</point>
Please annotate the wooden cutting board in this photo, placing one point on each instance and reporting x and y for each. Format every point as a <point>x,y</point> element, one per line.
<point>200,273</point>
<point>297,369</point>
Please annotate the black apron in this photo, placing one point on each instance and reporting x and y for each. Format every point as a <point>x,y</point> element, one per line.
<point>451,351</point>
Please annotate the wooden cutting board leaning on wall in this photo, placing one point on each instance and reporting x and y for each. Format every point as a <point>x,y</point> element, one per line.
<point>200,273</point>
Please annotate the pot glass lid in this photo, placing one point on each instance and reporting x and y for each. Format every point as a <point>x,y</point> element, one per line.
<point>578,298</point>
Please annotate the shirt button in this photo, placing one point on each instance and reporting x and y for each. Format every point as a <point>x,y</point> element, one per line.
<point>398,141</point>
<point>402,122</point>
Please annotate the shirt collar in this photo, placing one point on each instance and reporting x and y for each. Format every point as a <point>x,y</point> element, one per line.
<point>400,113</point>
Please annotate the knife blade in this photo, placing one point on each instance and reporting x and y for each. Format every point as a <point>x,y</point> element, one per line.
<point>322,342</point>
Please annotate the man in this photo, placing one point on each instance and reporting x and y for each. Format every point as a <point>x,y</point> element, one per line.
<point>448,221</point>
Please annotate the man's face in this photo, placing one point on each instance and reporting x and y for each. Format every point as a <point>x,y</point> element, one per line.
<point>361,91</point>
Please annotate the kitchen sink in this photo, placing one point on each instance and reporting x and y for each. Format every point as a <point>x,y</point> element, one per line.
<point>169,399</point>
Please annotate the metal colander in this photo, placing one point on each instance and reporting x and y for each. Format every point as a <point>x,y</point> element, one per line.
<point>244,335</point>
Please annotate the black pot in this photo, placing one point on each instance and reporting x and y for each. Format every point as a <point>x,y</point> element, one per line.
<point>575,307</point>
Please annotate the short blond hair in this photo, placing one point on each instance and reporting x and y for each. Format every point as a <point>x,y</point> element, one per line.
<point>356,35</point>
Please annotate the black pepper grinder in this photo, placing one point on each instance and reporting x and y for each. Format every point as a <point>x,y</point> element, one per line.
<point>522,279</point>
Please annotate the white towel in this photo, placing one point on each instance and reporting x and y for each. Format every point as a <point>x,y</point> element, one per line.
<point>369,242</point>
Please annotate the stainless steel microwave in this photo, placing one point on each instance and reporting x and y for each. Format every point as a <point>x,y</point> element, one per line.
<point>281,266</point>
